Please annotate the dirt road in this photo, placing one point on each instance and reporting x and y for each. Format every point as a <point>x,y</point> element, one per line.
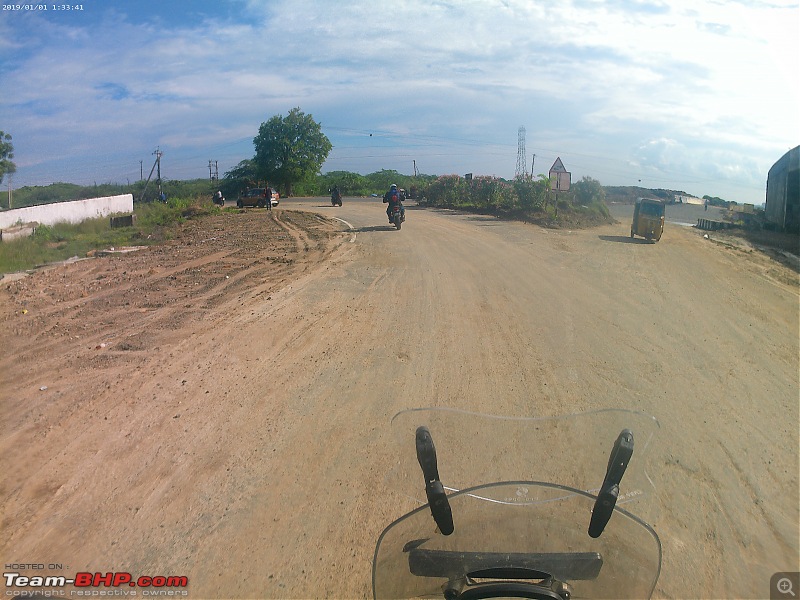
<point>218,407</point>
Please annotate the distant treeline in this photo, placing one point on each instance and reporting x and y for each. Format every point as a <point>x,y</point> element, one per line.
<point>349,183</point>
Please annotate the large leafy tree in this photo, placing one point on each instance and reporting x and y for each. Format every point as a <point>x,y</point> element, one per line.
<point>6,154</point>
<point>289,149</point>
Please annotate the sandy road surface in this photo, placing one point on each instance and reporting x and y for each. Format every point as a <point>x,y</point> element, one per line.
<point>234,430</point>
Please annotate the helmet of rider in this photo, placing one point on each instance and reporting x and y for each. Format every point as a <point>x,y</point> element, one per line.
<point>393,186</point>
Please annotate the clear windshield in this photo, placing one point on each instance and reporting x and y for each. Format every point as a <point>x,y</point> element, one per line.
<point>521,492</point>
<point>651,209</point>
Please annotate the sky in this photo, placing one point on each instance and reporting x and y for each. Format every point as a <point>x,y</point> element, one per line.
<point>701,97</point>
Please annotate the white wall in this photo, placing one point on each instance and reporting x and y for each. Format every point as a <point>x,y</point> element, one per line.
<point>689,200</point>
<point>71,212</point>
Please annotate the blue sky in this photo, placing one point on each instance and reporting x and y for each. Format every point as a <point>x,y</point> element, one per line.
<point>696,96</point>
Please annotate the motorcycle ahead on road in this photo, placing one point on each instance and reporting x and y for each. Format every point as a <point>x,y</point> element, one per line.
<point>218,199</point>
<point>336,198</point>
<point>529,508</point>
<point>397,215</point>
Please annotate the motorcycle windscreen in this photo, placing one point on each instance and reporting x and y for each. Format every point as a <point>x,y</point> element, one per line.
<point>520,532</point>
<point>573,450</point>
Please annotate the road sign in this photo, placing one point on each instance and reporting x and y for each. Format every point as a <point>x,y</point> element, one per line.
<point>560,178</point>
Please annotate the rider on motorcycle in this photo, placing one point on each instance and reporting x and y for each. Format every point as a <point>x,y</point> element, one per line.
<point>393,198</point>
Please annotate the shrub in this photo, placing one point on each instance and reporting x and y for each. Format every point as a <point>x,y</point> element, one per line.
<point>491,193</point>
<point>532,193</point>
<point>449,191</point>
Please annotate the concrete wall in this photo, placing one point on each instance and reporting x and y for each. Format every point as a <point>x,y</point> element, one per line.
<point>71,212</point>
<point>18,232</point>
<point>689,200</point>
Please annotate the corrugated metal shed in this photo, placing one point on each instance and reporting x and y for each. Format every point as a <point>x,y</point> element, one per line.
<point>783,192</point>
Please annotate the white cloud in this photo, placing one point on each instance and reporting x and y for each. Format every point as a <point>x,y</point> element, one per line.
<point>591,79</point>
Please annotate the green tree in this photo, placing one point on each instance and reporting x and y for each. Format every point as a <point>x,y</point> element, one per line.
<point>587,191</point>
<point>290,149</point>
<point>239,178</point>
<point>6,154</point>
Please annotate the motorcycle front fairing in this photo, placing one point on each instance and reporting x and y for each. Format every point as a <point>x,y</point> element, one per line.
<point>520,536</point>
<point>517,533</point>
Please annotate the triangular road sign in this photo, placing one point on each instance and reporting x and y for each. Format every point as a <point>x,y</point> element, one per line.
<point>558,167</point>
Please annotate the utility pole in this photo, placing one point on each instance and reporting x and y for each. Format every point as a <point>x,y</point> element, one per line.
<point>210,176</point>
<point>533,160</point>
<point>158,154</point>
<point>141,170</point>
<point>157,163</point>
<point>9,190</point>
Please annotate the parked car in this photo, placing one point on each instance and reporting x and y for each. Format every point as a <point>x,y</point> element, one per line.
<point>258,197</point>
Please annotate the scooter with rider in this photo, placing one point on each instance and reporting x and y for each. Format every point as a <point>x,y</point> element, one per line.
<point>396,212</point>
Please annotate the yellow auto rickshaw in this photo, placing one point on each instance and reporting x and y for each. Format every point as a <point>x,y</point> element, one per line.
<point>648,219</point>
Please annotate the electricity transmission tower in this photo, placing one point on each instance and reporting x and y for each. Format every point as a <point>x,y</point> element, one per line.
<point>522,163</point>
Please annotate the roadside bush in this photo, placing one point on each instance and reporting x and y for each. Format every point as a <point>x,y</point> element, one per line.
<point>159,214</point>
<point>524,198</point>
<point>485,193</point>
<point>47,233</point>
<point>532,193</point>
<point>448,191</point>
<point>491,193</point>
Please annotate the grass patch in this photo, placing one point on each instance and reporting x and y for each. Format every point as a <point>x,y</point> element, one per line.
<point>154,222</point>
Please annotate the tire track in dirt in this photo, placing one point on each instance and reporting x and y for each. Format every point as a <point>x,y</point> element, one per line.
<point>162,291</point>
<point>98,337</point>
